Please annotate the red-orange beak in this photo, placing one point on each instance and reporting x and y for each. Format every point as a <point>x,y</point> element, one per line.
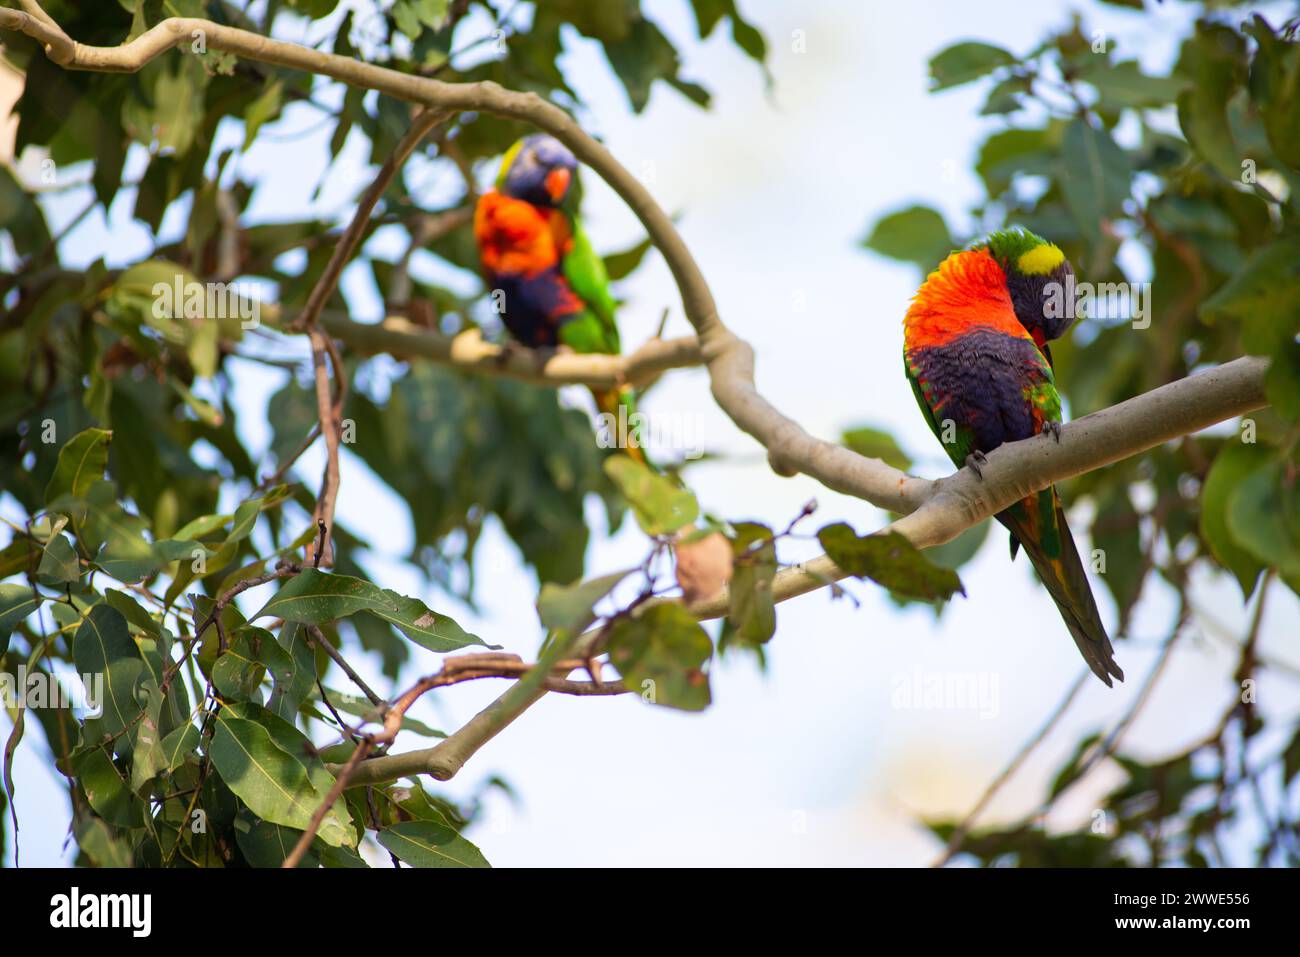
<point>557,184</point>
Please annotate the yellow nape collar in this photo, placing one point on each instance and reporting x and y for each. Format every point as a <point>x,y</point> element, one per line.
<point>1040,260</point>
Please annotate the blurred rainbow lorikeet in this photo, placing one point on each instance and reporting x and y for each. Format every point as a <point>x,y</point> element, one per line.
<point>536,256</point>
<point>975,350</point>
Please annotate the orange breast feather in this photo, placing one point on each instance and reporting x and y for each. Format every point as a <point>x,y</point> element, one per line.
<point>515,237</point>
<point>967,291</point>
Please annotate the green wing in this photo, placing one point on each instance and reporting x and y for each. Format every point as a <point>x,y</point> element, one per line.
<point>594,329</point>
<point>1043,395</point>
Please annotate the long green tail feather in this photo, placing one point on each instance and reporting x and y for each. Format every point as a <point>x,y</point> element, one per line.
<point>1067,583</point>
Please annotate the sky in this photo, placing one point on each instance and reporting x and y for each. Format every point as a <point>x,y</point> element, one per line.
<point>822,759</point>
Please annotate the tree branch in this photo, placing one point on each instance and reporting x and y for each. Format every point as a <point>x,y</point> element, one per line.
<point>400,338</point>
<point>1014,471</point>
<point>330,407</point>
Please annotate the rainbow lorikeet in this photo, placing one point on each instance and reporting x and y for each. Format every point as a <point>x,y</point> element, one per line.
<point>552,287</point>
<point>971,348</point>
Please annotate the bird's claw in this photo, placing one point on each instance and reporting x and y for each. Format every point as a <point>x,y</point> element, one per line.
<point>509,350</point>
<point>976,462</point>
<point>1053,429</point>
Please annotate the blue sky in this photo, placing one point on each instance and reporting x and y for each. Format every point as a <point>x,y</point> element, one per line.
<point>813,762</point>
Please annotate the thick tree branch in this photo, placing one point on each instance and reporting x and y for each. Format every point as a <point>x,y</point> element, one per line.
<point>957,502</point>
<point>400,338</point>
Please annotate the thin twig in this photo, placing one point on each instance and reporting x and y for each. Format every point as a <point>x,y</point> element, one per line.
<point>279,473</point>
<point>959,835</point>
<point>319,639</point>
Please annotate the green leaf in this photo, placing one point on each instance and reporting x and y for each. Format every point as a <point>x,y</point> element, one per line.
<point>203,525</point>
<point>128,557</point>
<point>426,844</point>
<point>876,444</point>
<point>178,744</point>
<point>1291,759</point>
<point>751,617</point>
<point>21,556</point>
<point>425,627</point>
<point>643,56</point>
<point>16,603</point>
<point>1095,176</point>
<point>21,216</point>
<point>266,845</point>
<point>59,562</point>
<point>406,19</point>
<point>620,265</point>
<point>1264,518</point>
<point>148,758</point>
<point>1015,152</point>
<point>102,844</point>
<point>316,9</point>
<point>81,463</point>
<point>132,611</point>
<point>315,597</point>
<point>1124,85</point>
<point>103,646</point>
<point>1275,89</point>
<point>891,560</point>
<point>1282,381</point>
<point>245,517</point>
<point>238,672</point>
<point>1231,467</point>
<point>264,108</point>
<point>106,789</point>
<point>745,35</point>
<point>661,653</point>
<point>660,506</point>
<point>569,607</point>
<point>961,549</point>
<point>294,671</point>
<point>273,782</point>
<point>1214,61</point>
<point>178,112</point>
<point>1263,295</point>
<point>964,62</point>
<point>917,234</point>
<point>1007,96</point>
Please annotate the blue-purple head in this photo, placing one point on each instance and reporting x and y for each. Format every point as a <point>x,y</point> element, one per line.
<point>538,169</point>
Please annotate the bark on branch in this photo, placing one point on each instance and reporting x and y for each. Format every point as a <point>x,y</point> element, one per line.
<point>400,338</point>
